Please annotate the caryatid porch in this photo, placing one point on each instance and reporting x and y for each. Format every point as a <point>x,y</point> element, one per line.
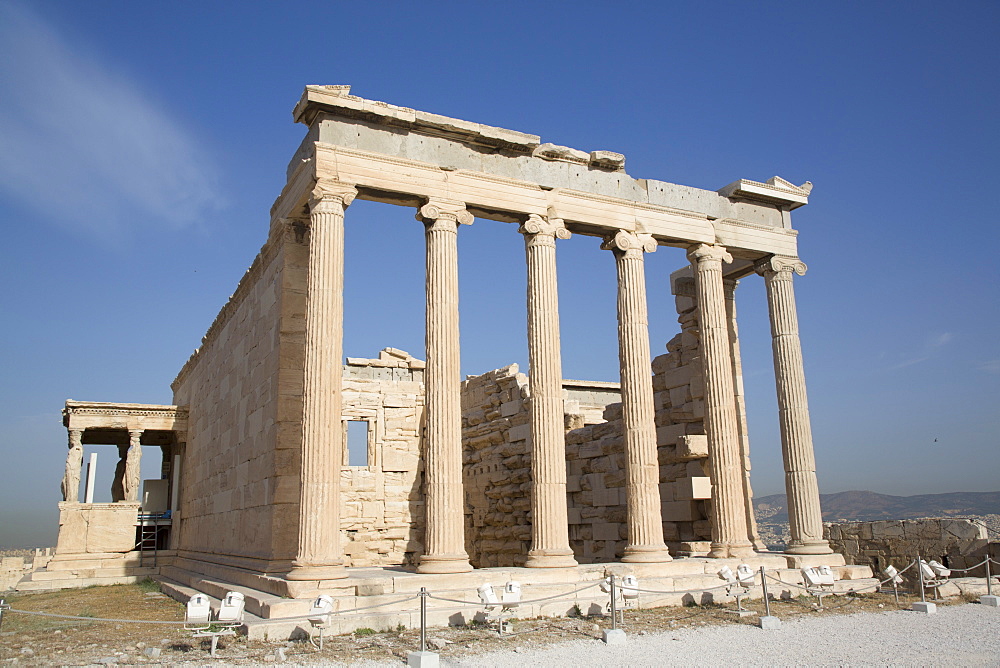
<point>452,172</point>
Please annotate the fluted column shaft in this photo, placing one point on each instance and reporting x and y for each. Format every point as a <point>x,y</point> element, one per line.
<point>549,524</point>
<point>642,469</point>
<point>729,522</point>
<point>319,555</point>
<point>729,287</point>
<point>805,518</point>
<point>444,542</point>
<point>74,463</point>
<point>132,477</point>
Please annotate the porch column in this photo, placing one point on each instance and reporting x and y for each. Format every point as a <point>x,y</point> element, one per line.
<point>74,463</point>
<point>729,286</point>
<point>549,524</point>
<point>132,477</point>
<point>729,521</point>
<point>444,543</point>
<point>319,553</point>
<point>805,518</point>
<point>642,469</point>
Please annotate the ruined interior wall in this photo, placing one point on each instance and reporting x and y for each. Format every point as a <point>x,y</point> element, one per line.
<point>957,543</point>
<point>231,496</point>
<point>496,466</point>
<point>382,510</point>
<point>497,459</point>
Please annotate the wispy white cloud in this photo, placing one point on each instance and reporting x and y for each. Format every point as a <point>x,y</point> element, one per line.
<point>992,366</point>
<point>933,343</point>
<point>83,144</point>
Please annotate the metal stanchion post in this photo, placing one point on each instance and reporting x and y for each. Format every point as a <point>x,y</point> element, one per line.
<point>614,605</point>
<point>3,606</point>
<point>895,591</point>
<point>767,622</point>
<point>614,635</point>
<point>989,600</point>
<point>423,658</point>
<point>920,574</point>
<point>923,605</point>
<point>423,619</point>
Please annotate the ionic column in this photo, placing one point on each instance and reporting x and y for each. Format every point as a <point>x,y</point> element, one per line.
<point>805,519</point>
<point>549,524</point>
<point>729,287</point>
<point>444,543</point>
<point>74,463</point>
<point>132,476</point>
<point>319,554</point>
<point>642,469</point>
<point>729,521</point>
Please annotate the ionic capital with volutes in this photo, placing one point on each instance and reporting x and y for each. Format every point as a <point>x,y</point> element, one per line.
<point>331,194</point>
<point>632,244</point>
<point>704,254</point>
<point>778,264</point>
<point>541,231</point>
<point>444,212</point>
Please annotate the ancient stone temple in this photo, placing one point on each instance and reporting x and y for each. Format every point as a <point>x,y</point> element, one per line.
<point>503,470</point>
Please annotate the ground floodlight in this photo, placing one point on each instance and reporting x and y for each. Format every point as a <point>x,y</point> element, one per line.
<point>893,575</point>
<point>939,569</point>
<point>726,573</point>
<point>319,615</point>
<point>231,610</point>
<point>926,570</point>
<point>488,597</point>
<point>198,614</point>
<point>511,595</point>
<point>606,584</point>
<point>630,588</point>
<point>745,575</point>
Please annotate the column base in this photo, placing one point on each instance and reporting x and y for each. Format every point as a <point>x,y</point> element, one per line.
<point>729,550</point>
<point>646,554</point>
<point>444,563</point>
<point>550,559</point>
<point>328,572</point>
<point>812,547</point>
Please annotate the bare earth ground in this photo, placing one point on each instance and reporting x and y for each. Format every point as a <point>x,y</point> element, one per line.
<point>40,641</point>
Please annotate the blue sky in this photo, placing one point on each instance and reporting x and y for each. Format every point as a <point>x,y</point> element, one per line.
<point>142,145</point>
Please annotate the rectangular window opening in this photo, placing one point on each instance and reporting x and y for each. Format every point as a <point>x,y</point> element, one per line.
<point>357,443</point>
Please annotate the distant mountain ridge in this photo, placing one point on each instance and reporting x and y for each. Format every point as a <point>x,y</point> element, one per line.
<point>869,506</point>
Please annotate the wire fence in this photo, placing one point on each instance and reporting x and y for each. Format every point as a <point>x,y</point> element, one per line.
<point>621,592</point>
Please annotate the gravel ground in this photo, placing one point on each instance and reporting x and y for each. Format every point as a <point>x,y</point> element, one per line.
<point>965,635</point>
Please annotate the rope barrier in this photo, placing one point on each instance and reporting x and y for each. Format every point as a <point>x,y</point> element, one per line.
<point>966,570</point>
<point>91,619</point>
<point>689,591</point>
<point>479,604</point>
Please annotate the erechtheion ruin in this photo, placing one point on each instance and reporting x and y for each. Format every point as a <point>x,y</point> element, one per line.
<point>555,479</point>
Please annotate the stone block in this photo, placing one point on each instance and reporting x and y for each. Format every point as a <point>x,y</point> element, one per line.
<point>925,607</point>
<point>613,637</point>
<point>398,460</point>
<point>680,511</point>
<point>692,446</point>
<point>605,531</point>
<point>990,601</point>
<point>423,660</point>
<point>668,434</point>
<point>769,623</point>
<point>693,488</point>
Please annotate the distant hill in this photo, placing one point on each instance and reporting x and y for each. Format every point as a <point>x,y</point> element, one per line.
<point>868,506</point>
